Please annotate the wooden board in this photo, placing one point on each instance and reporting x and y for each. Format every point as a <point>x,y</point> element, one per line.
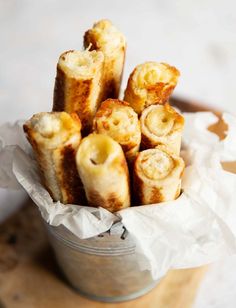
<point>29,276</point>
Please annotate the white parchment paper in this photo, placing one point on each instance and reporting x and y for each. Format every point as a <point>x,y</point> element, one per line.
<point>197,228</point>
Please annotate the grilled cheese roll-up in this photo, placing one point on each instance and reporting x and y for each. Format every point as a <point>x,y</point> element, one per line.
<point>55,138</point>
<point>78,84</point>
<point>150,83</point>
<point>103,170</point>
<point>106,38</point>
<point>118,120</point>
<point>161,124</point>
<point>157,175</point>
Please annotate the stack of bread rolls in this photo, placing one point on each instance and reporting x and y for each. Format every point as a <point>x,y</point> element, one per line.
<point>94,149</point>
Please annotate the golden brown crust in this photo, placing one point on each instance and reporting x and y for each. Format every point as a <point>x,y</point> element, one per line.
<point>118,120</point>
<point>80,92</point>
<point>104,172</point>
<point>148,143</point>
<point>143,91</point>
<point>59,91</point>
<point>101,38</point>
<point>151,187</point>
<point>131,97</point>
<point>105,108</point>
<point>108,102</point>
<point>78,85</point>
<point>42,163</point>
<point>139,187</point>
<point>156,196</point>
<point>73,95</point>
<point>110,203</point>
<point>152,131</point>
<point>90,41</point>
<point>55,154</point>
<point>159,93</point>
<point>70,182</point>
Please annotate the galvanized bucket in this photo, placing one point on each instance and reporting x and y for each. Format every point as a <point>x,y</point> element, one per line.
<point>103,268</point>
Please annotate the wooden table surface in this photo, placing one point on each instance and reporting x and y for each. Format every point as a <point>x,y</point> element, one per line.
<point>29,276</point>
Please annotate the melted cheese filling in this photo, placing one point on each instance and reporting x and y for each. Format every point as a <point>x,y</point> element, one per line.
<point>121,124</point>
<point>55,128</point>
<point>81,63</point>
<point>96,150</point>
<point>159,121</point>
<point>155,164</point>
<point>99,152</point>
<point>107,36</point>
<point>150,73</point>
<point>47,125</point>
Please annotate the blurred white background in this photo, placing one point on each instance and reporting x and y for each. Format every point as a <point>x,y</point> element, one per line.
<point>198,37</point>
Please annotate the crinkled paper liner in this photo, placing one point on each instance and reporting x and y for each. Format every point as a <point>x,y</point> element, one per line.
<point>197,228</point>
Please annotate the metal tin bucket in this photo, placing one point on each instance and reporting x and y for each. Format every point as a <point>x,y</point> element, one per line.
<point>103,268</point>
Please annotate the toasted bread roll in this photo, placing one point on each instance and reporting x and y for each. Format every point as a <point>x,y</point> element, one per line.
<point>157,176</point>
<point>150,83</point>
<point>118,120</point>
<point>161,124</point>
<point>78,84</point>
<point>103,170</point>
<point>106,38</point>
<point>55,138</point>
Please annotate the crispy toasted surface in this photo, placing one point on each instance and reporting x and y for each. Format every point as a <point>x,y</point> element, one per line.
<point>59,91</point>
<point>52,129</point>
<point>80,64</point>
<point>118,120</point>
<point>161,124</point>
<point>103,170</point>
<point>55,137</point>
<point>72,189</point>
<point>105,37</point>
<point>78,84</point>
<point>157,175</point>
<point>150,83</point>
